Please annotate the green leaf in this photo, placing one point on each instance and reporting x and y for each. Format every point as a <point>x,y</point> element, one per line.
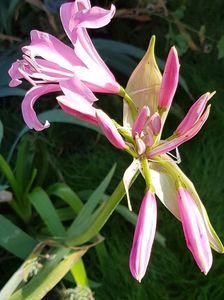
<point>47,212</point>
<point>100,216</point>
<point>13,239</point>
<point>86,212</point>
<point>65,193</point>
<point>53,116</point>
<point>79,273</point>
<point>8,91</point>
<point>220,46</point>
<point>49,276</point>
<point>6,170</point>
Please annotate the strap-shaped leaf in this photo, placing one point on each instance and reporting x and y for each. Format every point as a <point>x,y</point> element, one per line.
<point>53,116</point>
<point>13,239</point>
<point>87,210</point>
<point>79,273</point>
<point>49,276</point>
<point>65,193</point>
<point>47,212</point>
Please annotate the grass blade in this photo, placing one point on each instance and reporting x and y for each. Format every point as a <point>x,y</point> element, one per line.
<point>13,239</point>
<point>47,212</point>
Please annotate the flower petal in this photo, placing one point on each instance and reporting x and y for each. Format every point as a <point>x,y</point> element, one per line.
<point>78,99</point>
<point>104,81</point>
<point>94,17</point>
<point>15,74</point>
<point>52,49</point>
<point>29,100</point>
<point>165,187</point>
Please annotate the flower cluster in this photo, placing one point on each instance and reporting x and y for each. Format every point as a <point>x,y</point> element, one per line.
<point>76,73</point>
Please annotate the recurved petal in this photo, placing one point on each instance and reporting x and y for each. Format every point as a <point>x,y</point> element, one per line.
<point>29,100</point>
<point>78,100</point>
<point>95,17</point>
<point>67,12</point>
<point>52,49</point>
<point>15,74</point>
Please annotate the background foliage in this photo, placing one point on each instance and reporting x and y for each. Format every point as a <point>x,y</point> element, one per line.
<point>81,157</point>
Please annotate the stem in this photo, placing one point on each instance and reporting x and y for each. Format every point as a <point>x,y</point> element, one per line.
<point>100,217</point>
<point>146,171</point>
<point>129,101</point>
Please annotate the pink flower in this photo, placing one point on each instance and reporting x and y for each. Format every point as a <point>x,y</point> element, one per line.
<point>48,61</point>
<point>144,236</point>
<point>194,230</point>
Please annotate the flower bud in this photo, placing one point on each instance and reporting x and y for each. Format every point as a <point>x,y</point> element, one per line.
<point>144,236</point>
<point>110,130</point>
<point>194,230</point>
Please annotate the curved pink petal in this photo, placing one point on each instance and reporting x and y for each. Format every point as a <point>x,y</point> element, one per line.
<point>169,80</point>
<point>29,100</point>
<point>104,81</point>
<point>80,14</point>
<point>52,49</point>
<point>15,74</point>
<point>110,130</point>
<point>144,236</point>
<point>78,99</point>
<point>81,111</point>
<point>94,17</point>
<point>76,90</point>
<point>194,230</point>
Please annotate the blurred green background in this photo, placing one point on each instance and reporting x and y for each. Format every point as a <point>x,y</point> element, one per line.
<point>82,157</point>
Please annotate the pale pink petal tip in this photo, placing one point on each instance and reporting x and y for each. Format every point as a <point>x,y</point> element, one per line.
<point>29,100</point>
<point>169,80</point>
<point>143,237</point>
<point>194,230</point>
<point>155,122</point>
<point>110,130</point>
